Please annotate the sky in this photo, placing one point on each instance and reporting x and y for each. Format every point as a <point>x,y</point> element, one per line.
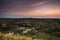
<point>29,8</point>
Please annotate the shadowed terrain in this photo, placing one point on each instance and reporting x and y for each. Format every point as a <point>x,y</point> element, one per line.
<point>29,28</point>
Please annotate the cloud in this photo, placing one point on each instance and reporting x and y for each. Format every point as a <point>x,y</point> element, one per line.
<point>39,3</point>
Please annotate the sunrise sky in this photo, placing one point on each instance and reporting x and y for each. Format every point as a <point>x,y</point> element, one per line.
<point>29,8</point>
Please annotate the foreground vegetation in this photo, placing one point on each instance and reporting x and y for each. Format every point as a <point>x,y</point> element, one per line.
<point>13,37</point>
<point>38,36</point>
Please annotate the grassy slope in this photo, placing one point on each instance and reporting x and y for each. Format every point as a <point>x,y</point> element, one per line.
<point>46,34</point>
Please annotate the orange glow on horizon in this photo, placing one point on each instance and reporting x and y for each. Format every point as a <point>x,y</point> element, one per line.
<point>37,13</point>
